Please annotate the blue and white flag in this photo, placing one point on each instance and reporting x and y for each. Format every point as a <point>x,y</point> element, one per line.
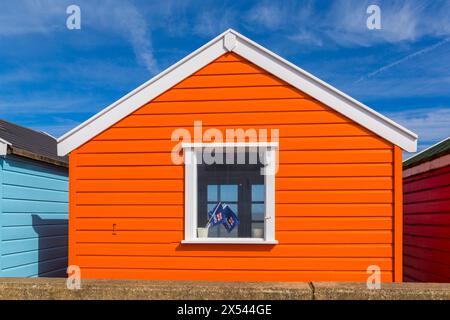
<point>230,219</point>
<point>215,216</point>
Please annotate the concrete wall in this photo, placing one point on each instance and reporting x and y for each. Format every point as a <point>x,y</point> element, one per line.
<point>45,288</point>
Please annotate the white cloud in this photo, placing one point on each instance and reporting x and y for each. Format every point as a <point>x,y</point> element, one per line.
<point>18,18</point>
<point>136,30</point>
<point>269,15</point>
<point>343,22</point>
<point>23,17</point>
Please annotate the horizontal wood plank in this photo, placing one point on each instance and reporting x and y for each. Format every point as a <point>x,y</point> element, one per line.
<point>234,275</point>
<point>237,263</point>
<point>202,250</point>
<point>284,131</point>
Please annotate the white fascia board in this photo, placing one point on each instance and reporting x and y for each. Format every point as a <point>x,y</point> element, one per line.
<point>141,95</point>
<point>230,40</point>
<point>4,147</point>
<point>326,94</point>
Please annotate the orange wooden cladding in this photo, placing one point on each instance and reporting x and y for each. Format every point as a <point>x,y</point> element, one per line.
<point>213,275</point>
<point>201,250</point>
<point>335,188</point>
<point>237,263</point>
<point>232,106</point>
<point>257,119</point>
<point>283,224</point>
<point>283,210</point>
<point>287,237</point>
<point>243,80</point>
<point>238,93</point>
<point>164,158</point>
<point>286,144</point>
<point>177,185</point>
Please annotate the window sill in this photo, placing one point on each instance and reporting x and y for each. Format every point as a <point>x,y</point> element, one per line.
<point>229,241</point>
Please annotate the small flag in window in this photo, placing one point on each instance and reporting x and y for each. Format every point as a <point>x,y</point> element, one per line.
<point>215,216</point>
<point>230,219</point>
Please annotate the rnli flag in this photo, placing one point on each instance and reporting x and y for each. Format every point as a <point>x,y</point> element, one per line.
<point>230,219</point>
<point>215,216</point>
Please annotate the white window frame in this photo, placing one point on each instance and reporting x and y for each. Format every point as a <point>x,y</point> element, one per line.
<point>190,192</point>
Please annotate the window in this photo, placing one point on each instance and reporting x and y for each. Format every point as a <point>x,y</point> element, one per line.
<point>246,185</point>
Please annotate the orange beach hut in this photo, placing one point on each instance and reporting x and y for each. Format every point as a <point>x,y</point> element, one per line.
<point>322,201</point>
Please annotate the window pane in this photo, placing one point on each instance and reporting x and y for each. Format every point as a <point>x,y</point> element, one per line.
<point>211,205</point>
<point>232,185</point>
<point>212,192</point>
<point>257,192</point>
<point>258,230</point>
<point>257,212</point>
<point>229,193</point>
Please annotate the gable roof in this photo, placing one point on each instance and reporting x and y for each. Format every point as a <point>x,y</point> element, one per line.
<point>229,41</point>
<point>435,151</point>
<point>28,143</point>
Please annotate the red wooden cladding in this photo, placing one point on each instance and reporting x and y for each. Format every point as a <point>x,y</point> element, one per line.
<point>427,226</point>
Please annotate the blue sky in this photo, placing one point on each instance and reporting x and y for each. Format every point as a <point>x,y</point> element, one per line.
<point>52,78</point>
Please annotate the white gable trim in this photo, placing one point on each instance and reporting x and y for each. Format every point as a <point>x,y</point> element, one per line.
<point>230,40</point>
<point>4,147</point>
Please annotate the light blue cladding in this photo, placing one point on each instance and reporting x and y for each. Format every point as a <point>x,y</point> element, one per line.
<point>33,218</point>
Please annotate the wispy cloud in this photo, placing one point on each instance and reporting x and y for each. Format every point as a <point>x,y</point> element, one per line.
<point>135,29</point>
<point>22,17</point>
<point>269,15</point>
<point>431,124</point>
<point>343,22</point>
<point>122,18</point>
<point>402,60</point>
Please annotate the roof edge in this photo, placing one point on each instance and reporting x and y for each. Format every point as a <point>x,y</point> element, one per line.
<point>37,157</point>
<point>63,151</point>
<point>409,143</point>
<point>408,163</point>
<point>231,40</point>
<point>4,147</point>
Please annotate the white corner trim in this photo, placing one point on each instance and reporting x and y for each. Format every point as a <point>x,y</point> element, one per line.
<point>231,40</point>
<point>186,145</point>
<point>4,147</point>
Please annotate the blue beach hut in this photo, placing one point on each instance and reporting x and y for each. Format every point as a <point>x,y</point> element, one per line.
<point>33,204</point>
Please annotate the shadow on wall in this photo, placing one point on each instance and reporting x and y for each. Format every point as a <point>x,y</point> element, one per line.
<point>52,246</point>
